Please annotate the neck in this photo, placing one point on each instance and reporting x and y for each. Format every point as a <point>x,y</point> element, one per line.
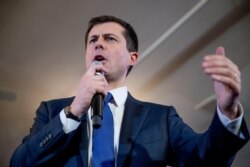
<point>114,85</point>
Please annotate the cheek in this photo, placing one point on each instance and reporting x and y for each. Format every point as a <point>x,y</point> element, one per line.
<point>88,63</point>
<point>87,60</point>
<point>121,54</point>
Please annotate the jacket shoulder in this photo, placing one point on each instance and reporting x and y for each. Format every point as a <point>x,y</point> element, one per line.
<point>66,100</point>
<point>54,106</point>
<point>150,105</point>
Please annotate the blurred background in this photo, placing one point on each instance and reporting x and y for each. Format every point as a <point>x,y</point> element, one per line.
<point>42,56</point>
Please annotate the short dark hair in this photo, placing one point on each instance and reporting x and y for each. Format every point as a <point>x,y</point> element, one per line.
<point>129,33</point>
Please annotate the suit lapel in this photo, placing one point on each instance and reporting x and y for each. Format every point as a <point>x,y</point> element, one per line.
<point>134,116</point>
<point>84,140</point>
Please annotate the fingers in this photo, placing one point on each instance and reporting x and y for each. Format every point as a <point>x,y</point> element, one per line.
<point>99,85</point>
<point>89,85</point>
<point>96,76</point>
<point>222,69</point>
<point>220,65</point>
<point>95,68</point>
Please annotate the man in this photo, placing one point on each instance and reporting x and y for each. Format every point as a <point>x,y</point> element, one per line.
<point>145,134</point>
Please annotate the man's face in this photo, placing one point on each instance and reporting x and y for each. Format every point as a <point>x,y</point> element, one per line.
<point>107,44</point>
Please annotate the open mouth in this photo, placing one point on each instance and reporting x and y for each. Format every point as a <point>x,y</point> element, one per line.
<point>99,58</point>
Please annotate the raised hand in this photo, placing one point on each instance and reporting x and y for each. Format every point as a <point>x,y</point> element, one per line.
<point>227,81</point>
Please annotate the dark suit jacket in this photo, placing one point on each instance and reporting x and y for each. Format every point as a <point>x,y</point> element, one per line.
<point>151,135</point>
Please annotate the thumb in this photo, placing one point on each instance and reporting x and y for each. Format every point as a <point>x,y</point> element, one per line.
<point>220,51</point>
<point>95,67</point>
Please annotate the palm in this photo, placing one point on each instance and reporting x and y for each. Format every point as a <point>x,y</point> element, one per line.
<point>227,82</point>
<point>224,95</point>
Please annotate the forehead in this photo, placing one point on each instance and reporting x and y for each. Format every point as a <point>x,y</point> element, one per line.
<point>107,28</point>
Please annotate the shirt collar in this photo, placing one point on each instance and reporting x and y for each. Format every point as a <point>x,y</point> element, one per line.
<point>120,95</point>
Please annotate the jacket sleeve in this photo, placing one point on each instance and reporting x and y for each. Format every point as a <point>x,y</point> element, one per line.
<point>41,145</point>
<point>216,147</point>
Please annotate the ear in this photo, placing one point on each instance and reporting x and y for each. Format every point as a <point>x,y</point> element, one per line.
<point>133,58</point>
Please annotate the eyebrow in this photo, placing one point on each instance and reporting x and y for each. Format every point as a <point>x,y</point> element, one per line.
<point>110,34</point>
<point>104,35</point>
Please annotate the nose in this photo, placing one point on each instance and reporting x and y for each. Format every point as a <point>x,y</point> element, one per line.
<point>99,44</point>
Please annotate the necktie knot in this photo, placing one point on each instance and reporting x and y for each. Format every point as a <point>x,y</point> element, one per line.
<point>108,98</point>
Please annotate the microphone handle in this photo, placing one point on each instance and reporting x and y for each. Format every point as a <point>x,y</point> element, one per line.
<point>97,110</point>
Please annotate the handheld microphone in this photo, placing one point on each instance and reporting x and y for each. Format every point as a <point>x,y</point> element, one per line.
<point>97,106</point>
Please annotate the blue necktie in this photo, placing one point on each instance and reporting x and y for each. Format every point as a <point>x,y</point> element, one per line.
<point>103,139</point>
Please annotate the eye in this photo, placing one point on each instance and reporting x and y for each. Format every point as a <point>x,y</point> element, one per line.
<point>110,38</point>
<point>92,40</point>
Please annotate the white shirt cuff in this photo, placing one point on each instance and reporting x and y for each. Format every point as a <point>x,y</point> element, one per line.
<point>232,125</point>
<point>69,125</point>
